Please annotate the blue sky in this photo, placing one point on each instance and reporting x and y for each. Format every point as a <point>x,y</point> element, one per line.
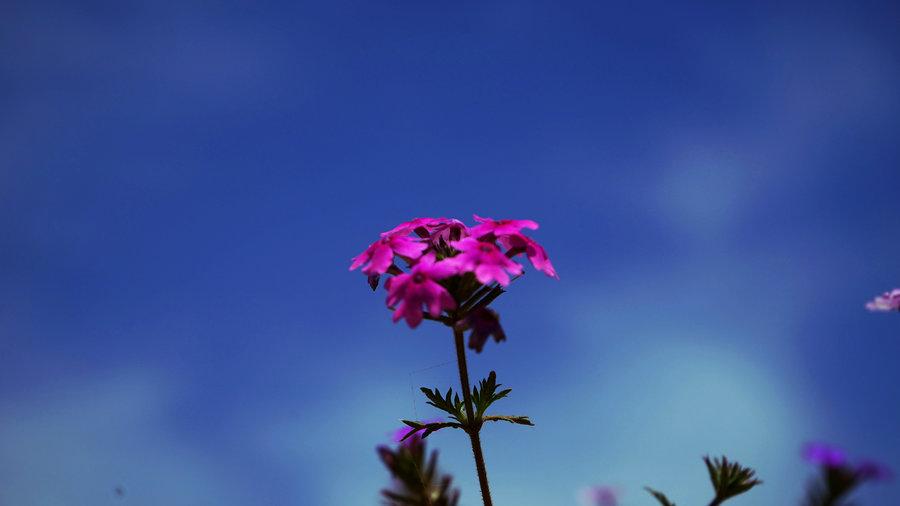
<point>182,186</point>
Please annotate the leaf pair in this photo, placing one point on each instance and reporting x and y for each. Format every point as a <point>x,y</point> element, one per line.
<point>483,395</point>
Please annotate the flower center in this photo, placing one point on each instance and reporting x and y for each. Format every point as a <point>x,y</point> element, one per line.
<point>418,277</point>
<point>485,248</point>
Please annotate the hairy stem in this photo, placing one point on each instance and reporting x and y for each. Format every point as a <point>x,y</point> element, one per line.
<point>471,427</point>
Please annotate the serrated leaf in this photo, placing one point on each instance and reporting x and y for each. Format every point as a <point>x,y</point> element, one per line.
<point>521,420</point>
<point>485,394</point>
<point>444,403</point>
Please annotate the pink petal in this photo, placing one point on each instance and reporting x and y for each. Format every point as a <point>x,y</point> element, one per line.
<point>442,269</point>
<point>382,257</point>
<point>486,273</point>
<point>408,247</point>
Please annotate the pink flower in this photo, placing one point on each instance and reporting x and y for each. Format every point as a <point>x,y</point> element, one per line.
<point>499,227</point>
<point>599,496</point>
<point>888,301</point>
<point>418,287</point>
<point>484,323</point>
<point>485,260</point>
<point>535,252</point>
<point>380,254</point>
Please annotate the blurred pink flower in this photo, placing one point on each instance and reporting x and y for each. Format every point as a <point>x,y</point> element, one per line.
<point>401,432</point>
<point>534,251</point>
<point>418,287</point>
<point>485,260</point>
<point>499,227</point>
<point>824,455</point>
<point>888,301</point>
<point>833,458</point>
<point>599,496</point>
<point>380,254</point>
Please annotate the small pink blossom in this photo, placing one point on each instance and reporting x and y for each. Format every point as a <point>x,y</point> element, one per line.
<point>499,227</point>
<point>418,287</point>
<point>485,260</point>
<point>484,323</point>
<point>888,301</point>
<point>380,254</point>
<point>599,496</point>
<point>535,252</point>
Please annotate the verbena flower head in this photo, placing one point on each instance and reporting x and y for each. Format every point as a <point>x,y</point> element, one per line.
<point>442,268</point>
<point>888,301</point>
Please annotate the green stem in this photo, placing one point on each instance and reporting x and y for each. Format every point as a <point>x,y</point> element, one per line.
<point>471,425</point>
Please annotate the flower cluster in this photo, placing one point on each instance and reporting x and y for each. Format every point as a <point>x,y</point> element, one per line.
<point>888,301</point>
<point>838,476</point>
<point>450,268</point>
<point>832,458</point>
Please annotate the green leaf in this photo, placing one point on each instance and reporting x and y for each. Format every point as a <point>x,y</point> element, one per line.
<point>487,394</point>
<point>444,403</point>
<point>521,420</point>
<point>659,497</point>
<point>729,479</point>
<point>428,428</point>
